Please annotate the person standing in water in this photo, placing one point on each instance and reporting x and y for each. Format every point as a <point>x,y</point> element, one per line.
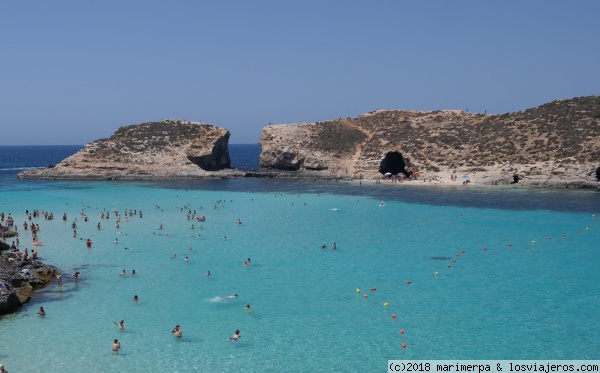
<point>116,346</point>
<point>177,331</point>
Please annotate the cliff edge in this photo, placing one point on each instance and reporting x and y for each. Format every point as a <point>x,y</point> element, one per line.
<point>555,144</point>
<point>163,149</point>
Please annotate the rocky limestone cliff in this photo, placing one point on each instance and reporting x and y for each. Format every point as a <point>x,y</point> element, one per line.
<point>558,142</point>
<point>163,149</point>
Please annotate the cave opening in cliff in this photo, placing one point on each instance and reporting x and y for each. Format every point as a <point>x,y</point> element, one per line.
<point>393,163</point>
<point>211,162</point>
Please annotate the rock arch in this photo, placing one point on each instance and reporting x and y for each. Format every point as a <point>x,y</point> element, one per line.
<point>394,163</point>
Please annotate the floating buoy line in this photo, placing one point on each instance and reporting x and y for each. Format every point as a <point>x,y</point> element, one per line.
<point>394,315</point>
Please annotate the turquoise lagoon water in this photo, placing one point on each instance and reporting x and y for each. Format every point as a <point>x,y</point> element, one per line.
<point>529,300</point>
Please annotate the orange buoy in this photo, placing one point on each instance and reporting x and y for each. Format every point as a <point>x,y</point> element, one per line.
<point>408,282</point>
<point>373,289</point>
<point>402,331</point>
<point>403,344</point>
<point>393,315</point>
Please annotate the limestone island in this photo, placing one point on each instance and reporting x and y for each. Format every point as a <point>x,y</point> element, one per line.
<point>167,149</point>
<point>553,145</point>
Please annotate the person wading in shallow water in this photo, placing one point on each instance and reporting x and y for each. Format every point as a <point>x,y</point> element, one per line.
<point>116,346</point>
<point>177,331</point>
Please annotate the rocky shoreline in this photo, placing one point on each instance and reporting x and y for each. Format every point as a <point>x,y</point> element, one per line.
<point>425,178</point>
<point>19,278</point>
<point>554,145</point>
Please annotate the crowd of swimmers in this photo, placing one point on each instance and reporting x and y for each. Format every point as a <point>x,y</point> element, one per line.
<point>35,228</point>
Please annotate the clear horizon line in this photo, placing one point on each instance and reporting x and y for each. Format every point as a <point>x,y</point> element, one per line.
<point>89,143</point>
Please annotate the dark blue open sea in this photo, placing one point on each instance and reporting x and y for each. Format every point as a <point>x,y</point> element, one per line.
<point>14,159</point>
<point>466,272</point>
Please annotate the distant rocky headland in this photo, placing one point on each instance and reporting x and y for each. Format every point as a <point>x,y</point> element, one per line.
<point>167,149</point>
<point>555,144</point>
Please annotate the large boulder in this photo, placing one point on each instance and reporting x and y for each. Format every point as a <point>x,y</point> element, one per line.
<point>19,279</point>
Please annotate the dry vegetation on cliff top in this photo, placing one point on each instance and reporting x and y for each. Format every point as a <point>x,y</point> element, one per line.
<point>561,131</point>
<point>161,136</point>
<point>564,132</point>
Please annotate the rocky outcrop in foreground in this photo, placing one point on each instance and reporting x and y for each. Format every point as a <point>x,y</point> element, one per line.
<point>555,144</point>
<point>156,150</point>
<point>19,278</point>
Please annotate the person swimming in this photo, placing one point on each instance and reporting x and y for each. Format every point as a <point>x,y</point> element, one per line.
<point>120,324</point>
<point>41,312</point>
<point>236,335</point>
<point>219,299</point>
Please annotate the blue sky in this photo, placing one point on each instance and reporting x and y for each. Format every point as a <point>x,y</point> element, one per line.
<point>75,71</point>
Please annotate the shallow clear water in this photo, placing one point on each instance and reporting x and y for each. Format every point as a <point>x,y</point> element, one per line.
<point>529,300</point>
<point>524,301</point>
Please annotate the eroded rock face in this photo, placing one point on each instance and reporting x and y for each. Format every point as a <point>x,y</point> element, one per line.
<point>167,148</point>
<point>558,142</point>
<point>309,146</point>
